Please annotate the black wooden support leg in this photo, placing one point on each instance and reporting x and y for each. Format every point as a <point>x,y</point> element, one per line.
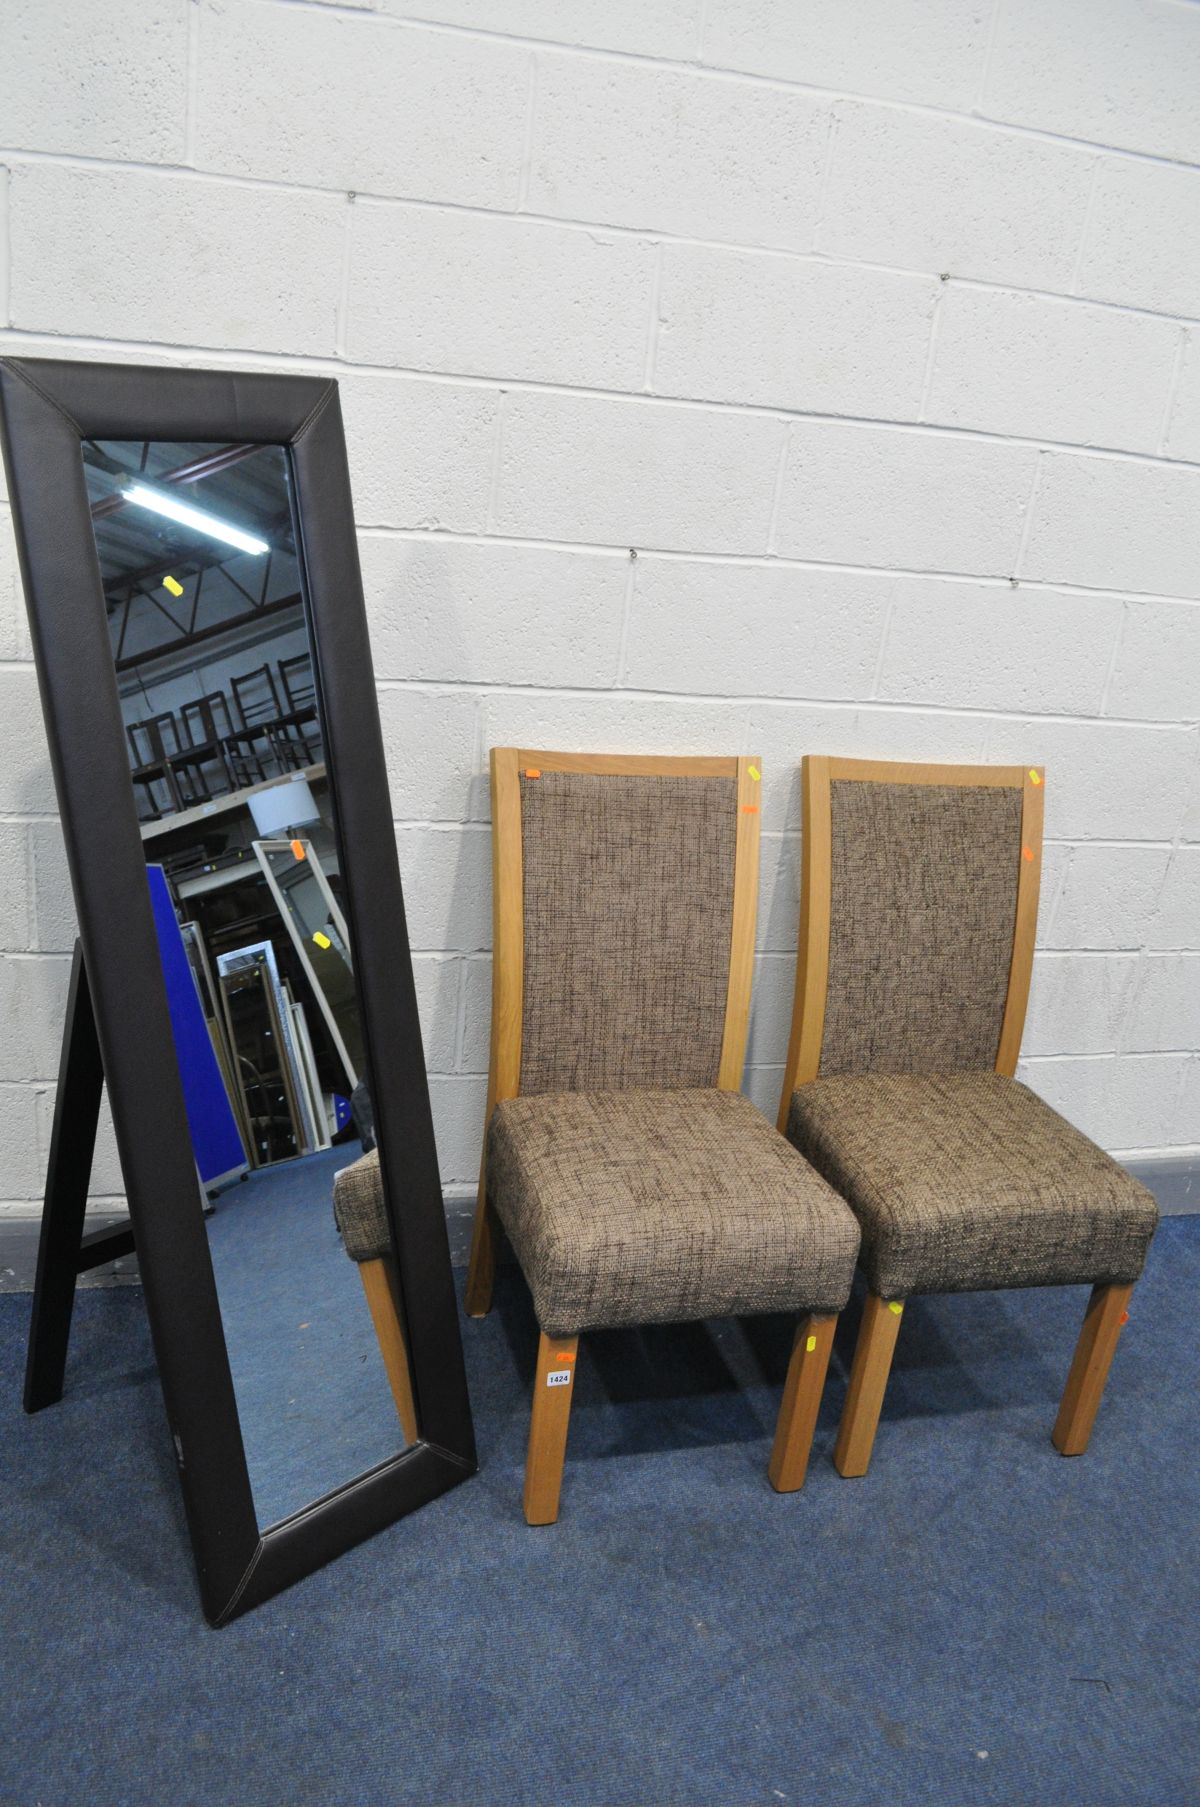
<point>64,1251</point>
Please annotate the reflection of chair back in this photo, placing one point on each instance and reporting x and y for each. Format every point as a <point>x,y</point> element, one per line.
<point>146,744</point>
<point>206,719</point>
<point>255,698</point>
<point>296,676</point>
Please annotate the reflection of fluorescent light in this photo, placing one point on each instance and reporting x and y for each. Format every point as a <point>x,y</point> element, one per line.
<point>193,517</point>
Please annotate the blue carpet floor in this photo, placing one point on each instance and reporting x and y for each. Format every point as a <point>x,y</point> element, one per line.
<point>312,1391</point>
<point>977,1621</point>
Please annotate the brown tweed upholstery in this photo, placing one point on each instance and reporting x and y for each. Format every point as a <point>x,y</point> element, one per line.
<point>358,1209</point>
<point>658,1207</point>
<point>922,907</point>
<point>628,899</point>
<point>968,1181</point>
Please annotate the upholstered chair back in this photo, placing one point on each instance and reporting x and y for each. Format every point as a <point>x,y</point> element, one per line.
<point>918,914</point>
<point>628,914</point>
<point>923,901</point>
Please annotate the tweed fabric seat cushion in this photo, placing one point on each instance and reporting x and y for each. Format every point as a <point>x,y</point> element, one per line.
<point>968,1181</point>
<point>358,1209</point>
<point>658,1207</point>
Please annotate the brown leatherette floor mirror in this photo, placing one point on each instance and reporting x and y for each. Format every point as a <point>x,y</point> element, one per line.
<point>242,982</point>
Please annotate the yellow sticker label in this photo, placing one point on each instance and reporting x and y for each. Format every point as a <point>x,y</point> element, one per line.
<point>1034,777</point>
<point>170,583</point>
<point>322,940</point>
<point>811,1344</point>
<point>755,773</point>
<point>896,1306</point>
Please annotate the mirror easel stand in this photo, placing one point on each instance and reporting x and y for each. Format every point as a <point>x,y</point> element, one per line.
<point>65,1248</point>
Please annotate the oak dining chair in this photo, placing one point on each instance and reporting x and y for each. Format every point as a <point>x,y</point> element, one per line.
<point>918,913</point>
<point>636,1185</point>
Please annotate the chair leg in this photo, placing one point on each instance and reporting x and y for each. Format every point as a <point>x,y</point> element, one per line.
<point>379,1284</point>
<point>801,1402</point>
<point>868,1382</point>
<point>548,1427</point>
<point>1106,1313</point>
<point>481,1273</point>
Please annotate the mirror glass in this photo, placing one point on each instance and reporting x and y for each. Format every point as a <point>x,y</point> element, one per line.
<point>214,664</point>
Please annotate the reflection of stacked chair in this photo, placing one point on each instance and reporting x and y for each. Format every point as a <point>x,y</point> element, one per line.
<point>218,744</point>
<point>301,730</point>
<point>209,734</point>
<point>259,711</point>
<point>150,764</point>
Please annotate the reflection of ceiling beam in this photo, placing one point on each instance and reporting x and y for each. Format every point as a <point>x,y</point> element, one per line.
<point>208,466</point>
<point>208,633</point>
<point>189,566</point>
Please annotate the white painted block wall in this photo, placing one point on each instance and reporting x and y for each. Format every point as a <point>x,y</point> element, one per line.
<point>871,326</point>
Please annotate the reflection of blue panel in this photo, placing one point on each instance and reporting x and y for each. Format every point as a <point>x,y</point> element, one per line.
<point>216,1144</point>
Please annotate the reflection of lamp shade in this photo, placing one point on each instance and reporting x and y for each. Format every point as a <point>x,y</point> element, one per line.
<point>282,807</point>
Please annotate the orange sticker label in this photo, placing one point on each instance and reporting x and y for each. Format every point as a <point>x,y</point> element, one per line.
<point>298,850</point>
<point>1124,1318</point>
<point>749,809</point>
<point>1027,853</point>
<point>532,772</point>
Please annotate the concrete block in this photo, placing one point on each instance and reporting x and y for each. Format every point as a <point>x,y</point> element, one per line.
<point>437,978</point>
<point>33,1001</point>
<point>26,782</point>
<point>54,925</point>
<point>1120,72</point>
<point>669,28</point>
<point>992,647</point>
<point>421,454</point>
<point>863,495</point>
<point>1124,1105</point>
<point>1116,524</point>
<point>1109,898</point>
<point>1177,914</point>
<point>1143,238</point>
<point>428,114</point>
<point>928,51</point>
<point>429,742</point>
<point>477,1014</point>
<point>458,1107</point>
<point>477,295</point>
<point>754,630</point>
<point>1104,781</point>
<point>736,326</point>
<point>1078,1003</point>
<point>100,81</point>
<point>1047,369</point>
<point>923,193</point>
<point>447,879</point>
<point>637,474</point>
<point>1155,676</point>
<point>703,157</point>
<point>494,614</point>
<point>1164,1012</point>
<point>174,258</point>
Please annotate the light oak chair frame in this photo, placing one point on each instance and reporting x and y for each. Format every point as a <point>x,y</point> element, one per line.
<point>382,1288</point>
<point>1107,1309</point>
<point>814,1338</point>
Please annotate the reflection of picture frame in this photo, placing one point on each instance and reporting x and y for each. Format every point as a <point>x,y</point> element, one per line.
<point>47,410</point>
